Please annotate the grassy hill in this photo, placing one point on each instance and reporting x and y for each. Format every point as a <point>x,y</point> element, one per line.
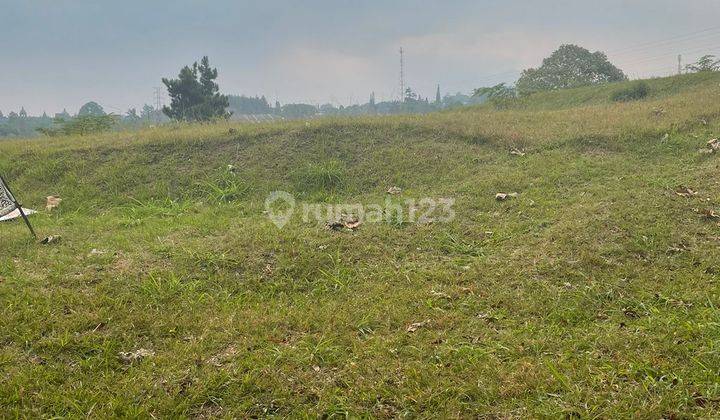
<point>594,292</point>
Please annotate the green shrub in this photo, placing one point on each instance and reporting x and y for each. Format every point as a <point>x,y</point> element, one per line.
<point>634,92</point>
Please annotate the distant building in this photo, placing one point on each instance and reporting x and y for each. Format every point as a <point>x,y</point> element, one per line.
<point>63,115</point>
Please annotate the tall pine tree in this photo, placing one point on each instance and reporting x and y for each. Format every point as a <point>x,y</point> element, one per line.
<point>194,95</point>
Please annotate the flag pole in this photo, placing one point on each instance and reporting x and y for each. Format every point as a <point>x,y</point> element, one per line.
<point>18,207</point>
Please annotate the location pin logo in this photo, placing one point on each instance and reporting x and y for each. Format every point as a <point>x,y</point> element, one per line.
<point>280,206</point>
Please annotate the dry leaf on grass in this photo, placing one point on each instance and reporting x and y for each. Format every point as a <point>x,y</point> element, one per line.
<point>53,201</point>
<point>517,152</point>
<point>417,325</point>
<point>219,359</point>
<point>394,190</point>
<point>710,214</point>
<point>440,294</point>
<point>658,112</point>
<point>713,146</point>
<point>684,191</point>
<point>135,356</point>
<point>505,196</point>
<point>345,221</point>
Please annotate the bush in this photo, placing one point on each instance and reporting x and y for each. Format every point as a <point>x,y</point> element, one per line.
<point>634,92</point>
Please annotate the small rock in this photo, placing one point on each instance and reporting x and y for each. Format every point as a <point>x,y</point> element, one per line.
<point>505,196</point>
<point>417,325</point>
<point>52,239</point>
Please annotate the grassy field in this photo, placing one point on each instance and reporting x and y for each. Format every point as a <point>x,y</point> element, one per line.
<point>593,293</point>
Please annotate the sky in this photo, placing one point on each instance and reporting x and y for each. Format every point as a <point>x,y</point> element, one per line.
<point>59,54</point>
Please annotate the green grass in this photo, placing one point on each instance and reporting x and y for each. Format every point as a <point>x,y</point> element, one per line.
<point>659,88</point>
<point>594,293</point>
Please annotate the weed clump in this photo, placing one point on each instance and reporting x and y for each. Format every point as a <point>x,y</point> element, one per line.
<point>224,187</point>
<point>634,92</point>
<point>320,177</point>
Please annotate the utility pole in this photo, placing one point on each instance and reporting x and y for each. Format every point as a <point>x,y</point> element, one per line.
<point>679,63</point>
<point>158,103</point>
<point>402,76</point>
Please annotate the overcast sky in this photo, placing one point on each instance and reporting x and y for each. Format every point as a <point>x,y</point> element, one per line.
<point>57,54</point>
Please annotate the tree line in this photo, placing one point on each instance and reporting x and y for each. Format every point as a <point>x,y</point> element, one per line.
<point>195,96</point>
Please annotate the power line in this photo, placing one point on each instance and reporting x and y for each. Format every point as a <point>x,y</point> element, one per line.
<point>650,43</point>
<point>642,60</point>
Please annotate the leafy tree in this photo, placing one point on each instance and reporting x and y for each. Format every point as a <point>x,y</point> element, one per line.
<point>410,95</point>
<point>194,95</point>
<point>500,95</point>
<point>132,114</point>
<point>147,112</point>
<point>92,109</point>
<point>570,66</point>
<point>499,91</point>
<point>704,63</point>
<point>438,98</point>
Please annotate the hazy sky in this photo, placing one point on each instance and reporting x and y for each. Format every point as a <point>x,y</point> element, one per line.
<point>63,53</point>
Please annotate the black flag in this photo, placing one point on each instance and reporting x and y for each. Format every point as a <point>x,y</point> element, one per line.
<point>8,204</point>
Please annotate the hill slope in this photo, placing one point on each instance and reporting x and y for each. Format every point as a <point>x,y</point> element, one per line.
<point>592,293</point>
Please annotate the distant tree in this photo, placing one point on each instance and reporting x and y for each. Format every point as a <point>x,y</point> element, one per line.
<point>410,95</point>
<point>500,91</point>
<point>194,95</point>
<point>299,111</point>
<point>92,109</point>
<point>246,105</point>
<point>570,66</point>
<point>438,98</point>
<point>82,125</point>
<point>704,64</point>
<point>371,102</point>
<point>278,108</point>
<point>147,112</point>
<point>132,115</point>
<point>23,113</point>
